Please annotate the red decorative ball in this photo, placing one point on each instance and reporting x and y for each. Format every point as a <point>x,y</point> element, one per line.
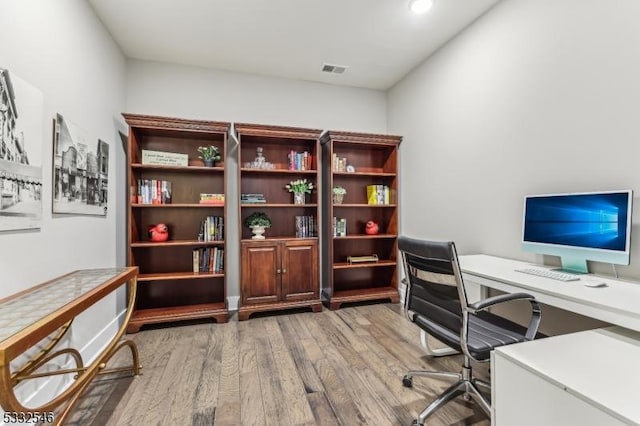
<point>371,228</point>
<point>158,233</point>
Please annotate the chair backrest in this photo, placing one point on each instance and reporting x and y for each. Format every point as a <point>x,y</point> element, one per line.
<point>435,288</point>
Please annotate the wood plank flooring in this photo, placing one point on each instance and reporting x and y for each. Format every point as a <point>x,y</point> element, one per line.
<point>341,367</point>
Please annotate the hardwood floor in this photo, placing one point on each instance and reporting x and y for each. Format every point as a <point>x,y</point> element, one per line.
<point>341,367</point>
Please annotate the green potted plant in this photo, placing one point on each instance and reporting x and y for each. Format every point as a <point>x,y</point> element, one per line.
<point>209,154</point>
<point>299,187</point>
<point>257,221</point>
<point>338,194</point>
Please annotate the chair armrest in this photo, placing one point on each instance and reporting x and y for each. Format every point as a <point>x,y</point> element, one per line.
<point>534,322</point>
<point>495,300</point>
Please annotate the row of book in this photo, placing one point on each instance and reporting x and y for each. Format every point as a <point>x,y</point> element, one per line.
<point>339,227</point>
<point>208,259</point>
<point>339,164</point>
<point>212,229</point>
<point>300,160</point>
<point>306,226</point>
<point>216,199</point>
<point>152,191</point>
<point>252,199</point>
<point>378,195</point>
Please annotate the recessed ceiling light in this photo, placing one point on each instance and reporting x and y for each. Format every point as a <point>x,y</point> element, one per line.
<point>420,6</point>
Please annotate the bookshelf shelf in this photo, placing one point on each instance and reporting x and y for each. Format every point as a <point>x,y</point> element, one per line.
<point>286,205</point>
<point>178,169</point>
<point>373,206</point>
<point>374,158</point>
<point>178,276</point>
<point>378,264</point>
<point>366,237</point>
<point>281,271</point>
<point>278,171</point>
<point>189,243</point>
<point>168,288</point>
<point>175,206</point>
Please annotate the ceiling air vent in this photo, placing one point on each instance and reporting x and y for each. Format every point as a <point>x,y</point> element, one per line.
<point>334,69</point>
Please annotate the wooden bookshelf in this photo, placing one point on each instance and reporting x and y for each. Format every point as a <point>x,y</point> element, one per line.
<point>168,289</point>
<point>282,271</point>
<point>373,160</point>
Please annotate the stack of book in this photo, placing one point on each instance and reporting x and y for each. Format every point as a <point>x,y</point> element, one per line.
<point>152,191</point>
<point>378,195</point>
<point>306,227</point>
<point>208,259</point>
<point>212,199</point>
<point>212,229</point>
<point>299,160</point>
<point>339,227</point>
<point>252,198</point>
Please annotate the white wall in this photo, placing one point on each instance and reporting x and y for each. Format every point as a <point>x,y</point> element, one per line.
<point>535,97</point>
<point>61,48</point>
<point>188,92</point>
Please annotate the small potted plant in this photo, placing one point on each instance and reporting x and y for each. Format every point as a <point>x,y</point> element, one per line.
<point>209,154</point>
<point>257,221</point>
<point>338,194</point>
<point>299,188</point>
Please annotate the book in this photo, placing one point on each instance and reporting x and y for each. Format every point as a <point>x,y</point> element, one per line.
<point>378,195</point>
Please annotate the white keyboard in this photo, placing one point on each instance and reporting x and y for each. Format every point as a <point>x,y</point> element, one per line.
<point>547,273</point>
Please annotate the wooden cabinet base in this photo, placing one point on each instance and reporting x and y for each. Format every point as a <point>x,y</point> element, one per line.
<point>245,311</point>
<point>364,295</point>
<point>217,311</point>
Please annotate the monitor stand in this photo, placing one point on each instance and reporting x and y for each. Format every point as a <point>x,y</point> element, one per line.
<point>574,264</point>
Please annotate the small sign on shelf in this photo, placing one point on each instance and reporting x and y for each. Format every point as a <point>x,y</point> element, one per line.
<point>159,158</point>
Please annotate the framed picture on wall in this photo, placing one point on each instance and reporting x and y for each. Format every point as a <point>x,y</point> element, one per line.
<point>21,120</point>
<point>80,171</point>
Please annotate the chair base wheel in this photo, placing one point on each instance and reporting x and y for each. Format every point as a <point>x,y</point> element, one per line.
<point>415,423</point>
<point>407,382</point>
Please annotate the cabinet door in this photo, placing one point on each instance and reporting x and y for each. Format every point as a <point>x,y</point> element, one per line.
<point>300,270</point>
<point>260,272</point>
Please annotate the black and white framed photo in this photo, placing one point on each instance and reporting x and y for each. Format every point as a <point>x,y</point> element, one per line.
<point>21,119</point>
<point>80,171</point>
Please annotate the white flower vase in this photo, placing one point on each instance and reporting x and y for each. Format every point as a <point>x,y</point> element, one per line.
<point>298,198</point>
<point>258,232</point>
<point>337,198</point>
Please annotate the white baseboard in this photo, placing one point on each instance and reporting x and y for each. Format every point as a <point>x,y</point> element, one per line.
<point>53,386</point>
<point>232,302</point>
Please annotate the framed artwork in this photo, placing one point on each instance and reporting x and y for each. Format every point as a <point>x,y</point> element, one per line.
<point>21,114</point>
<point>80,171</point>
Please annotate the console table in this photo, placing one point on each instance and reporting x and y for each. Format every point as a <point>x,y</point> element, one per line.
<point>41,316</point>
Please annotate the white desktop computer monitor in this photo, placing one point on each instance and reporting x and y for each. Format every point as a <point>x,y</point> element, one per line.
<point>577,227</point>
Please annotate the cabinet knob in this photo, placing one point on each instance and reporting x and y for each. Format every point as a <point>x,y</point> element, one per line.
<point>278,271</point>
<point>284,271</point>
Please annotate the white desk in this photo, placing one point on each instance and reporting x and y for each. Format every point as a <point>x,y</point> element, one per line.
<point>618,303</point>
<point>587,378</point>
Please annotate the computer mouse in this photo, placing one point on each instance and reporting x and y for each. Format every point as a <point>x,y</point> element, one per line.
<point>593,282</point>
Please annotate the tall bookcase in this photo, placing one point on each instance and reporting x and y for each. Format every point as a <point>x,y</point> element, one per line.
<point>168,289</point>
<point>281,271</point>
<point>366,165</point>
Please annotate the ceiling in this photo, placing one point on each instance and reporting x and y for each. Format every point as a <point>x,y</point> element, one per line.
<point>379,40</point>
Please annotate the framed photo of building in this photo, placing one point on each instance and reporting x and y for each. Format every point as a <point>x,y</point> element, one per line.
<point>21,120</point>
<point>80,171</point>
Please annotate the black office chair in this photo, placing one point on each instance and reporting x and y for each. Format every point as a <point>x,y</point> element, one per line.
<point>436,301</point>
